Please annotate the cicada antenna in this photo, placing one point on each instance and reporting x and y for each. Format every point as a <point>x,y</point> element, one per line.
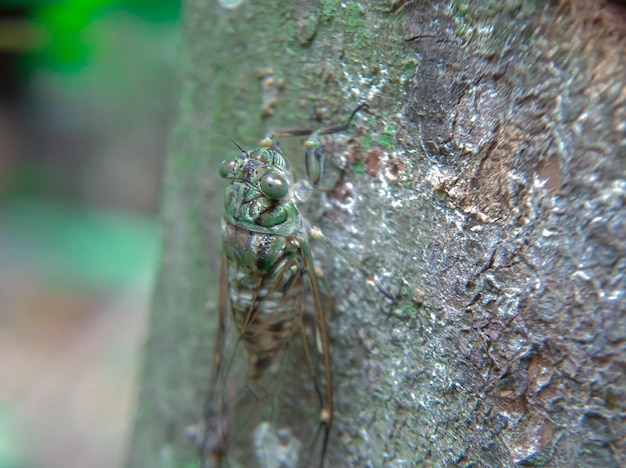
<point>235,143</point>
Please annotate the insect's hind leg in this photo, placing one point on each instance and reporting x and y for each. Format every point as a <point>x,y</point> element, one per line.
<point>316,233</point>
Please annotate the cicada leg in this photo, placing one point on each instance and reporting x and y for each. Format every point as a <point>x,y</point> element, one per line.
<point>314,156</point>
<point>315,160</point>
<point>322,131</point>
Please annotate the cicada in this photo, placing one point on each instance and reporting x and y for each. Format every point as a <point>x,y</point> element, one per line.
<point>271,345</point>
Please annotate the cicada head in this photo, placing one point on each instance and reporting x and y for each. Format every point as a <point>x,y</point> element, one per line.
<point>264,168</point>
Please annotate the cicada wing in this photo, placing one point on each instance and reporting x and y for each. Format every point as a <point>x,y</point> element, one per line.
<point>273,419</point>
<point>284,418</point>
<point>214,434</point>
<point>223,439</point>
<point>237,407</point>
<point>296,430</point>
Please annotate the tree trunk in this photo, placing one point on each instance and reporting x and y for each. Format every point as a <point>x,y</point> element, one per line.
<point>486,186</point>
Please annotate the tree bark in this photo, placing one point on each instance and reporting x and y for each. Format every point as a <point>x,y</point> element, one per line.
<point>486,185</point>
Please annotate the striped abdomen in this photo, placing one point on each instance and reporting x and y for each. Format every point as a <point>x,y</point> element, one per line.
<point>266,290</point>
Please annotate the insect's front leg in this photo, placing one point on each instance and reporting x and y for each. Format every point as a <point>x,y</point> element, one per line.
<point>314,156</point>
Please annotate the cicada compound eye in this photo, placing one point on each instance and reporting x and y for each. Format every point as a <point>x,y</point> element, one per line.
<point>274,186</point>
<point>226,167</point>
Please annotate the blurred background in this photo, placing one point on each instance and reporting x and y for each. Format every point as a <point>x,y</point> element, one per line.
<point>86,96</point>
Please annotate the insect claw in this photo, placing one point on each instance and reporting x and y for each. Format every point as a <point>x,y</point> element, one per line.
<point>324,416</point>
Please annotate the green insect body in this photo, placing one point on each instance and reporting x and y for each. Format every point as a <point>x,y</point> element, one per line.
<point>267,281</point>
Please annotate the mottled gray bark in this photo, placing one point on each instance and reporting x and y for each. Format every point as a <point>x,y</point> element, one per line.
<point>487,185</point>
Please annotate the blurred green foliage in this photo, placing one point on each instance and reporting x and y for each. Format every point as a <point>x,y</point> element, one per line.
<point>82,117</point>
<point>97,75</point>
<point>9,450</point>
<point>63,40</point>
<point>86,66</point>
<point>78,249</point>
